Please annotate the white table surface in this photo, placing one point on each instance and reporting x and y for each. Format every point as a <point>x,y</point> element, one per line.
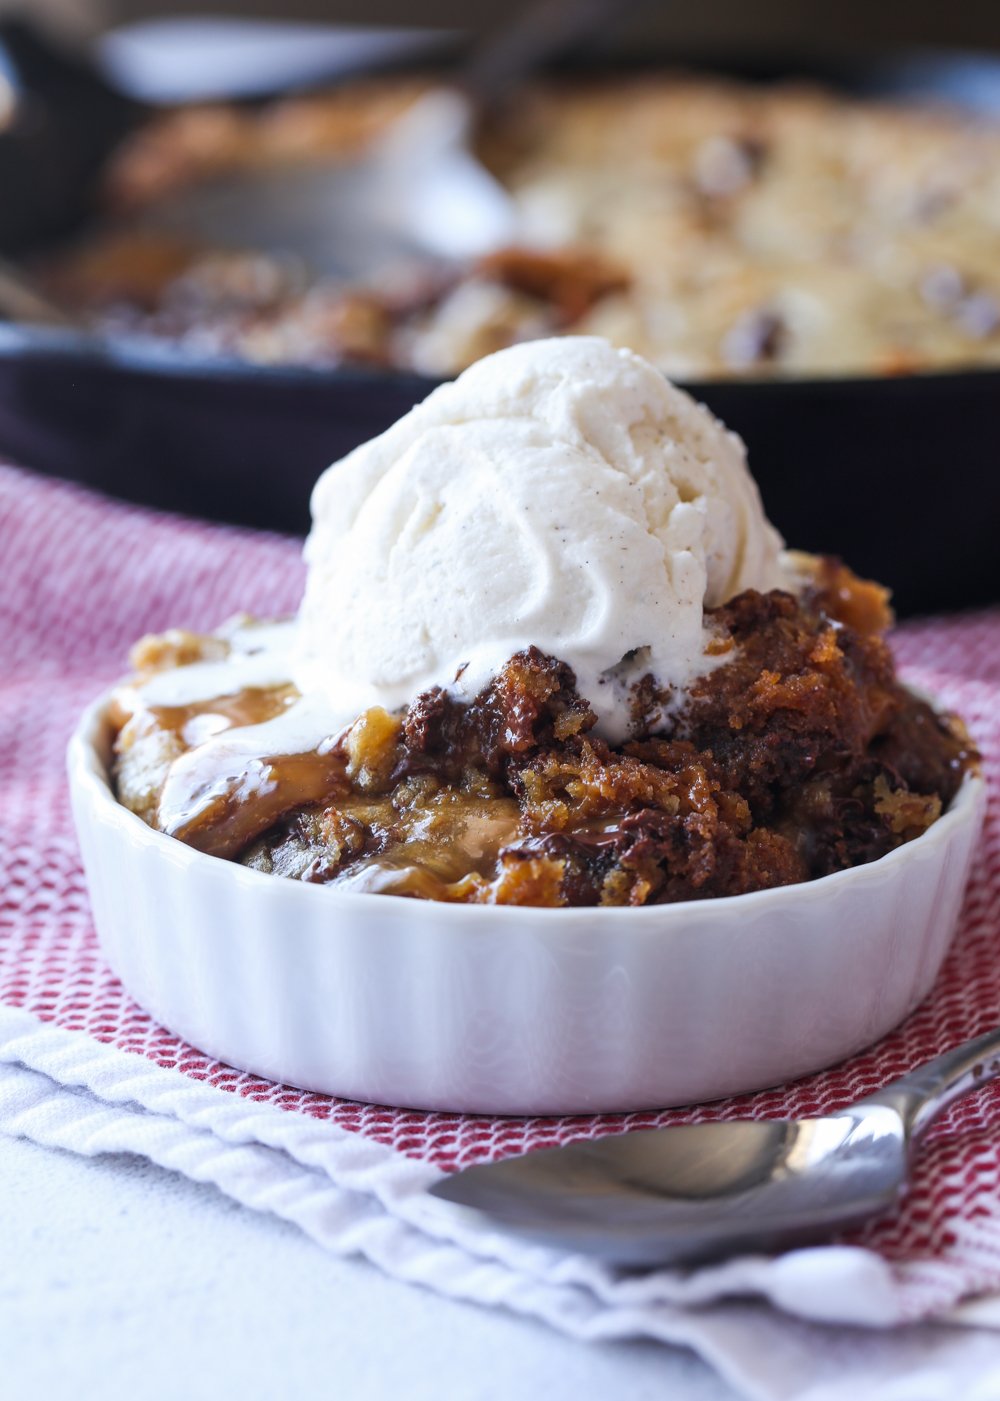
<point>122,1281</point>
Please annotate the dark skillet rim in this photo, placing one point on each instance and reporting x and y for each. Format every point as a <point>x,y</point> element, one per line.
<point>148,356</point>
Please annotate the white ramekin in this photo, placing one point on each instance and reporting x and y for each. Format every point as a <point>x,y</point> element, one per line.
<point>511,1010</point>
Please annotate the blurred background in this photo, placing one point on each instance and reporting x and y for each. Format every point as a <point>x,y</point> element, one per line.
<point>759,25</point>
<point>184,323</point>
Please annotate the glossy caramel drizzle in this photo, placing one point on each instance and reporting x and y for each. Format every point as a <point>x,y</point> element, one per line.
<point>235,805</point>
<point>198,720</point>
<point>221,801</point>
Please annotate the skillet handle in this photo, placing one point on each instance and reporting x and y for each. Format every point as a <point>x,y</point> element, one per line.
<point>64,121</point>
<point>500,62</point>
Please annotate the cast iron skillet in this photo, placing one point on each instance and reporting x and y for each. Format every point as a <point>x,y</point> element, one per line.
<point>899,476</point>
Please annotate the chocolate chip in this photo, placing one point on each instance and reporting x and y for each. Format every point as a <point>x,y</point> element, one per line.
<point>757,337</point>
<point>725,165</point>
<point>942,287</point>
<point>975,311</point>
<point>979,315</point>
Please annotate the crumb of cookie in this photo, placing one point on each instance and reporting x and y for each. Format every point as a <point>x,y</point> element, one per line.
<point>528,880</point>
<point>175,647</point>
<point>906,814</point>
<point>860,604</point>
<point>572,281</point>
<point>370,745</point>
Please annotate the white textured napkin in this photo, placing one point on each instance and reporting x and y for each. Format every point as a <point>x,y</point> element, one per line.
<point>353,1196</point>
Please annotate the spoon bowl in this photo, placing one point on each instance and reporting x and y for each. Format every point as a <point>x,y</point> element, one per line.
<point>702,1191</point>
<point>696,1191</point>
<point>420,192</point>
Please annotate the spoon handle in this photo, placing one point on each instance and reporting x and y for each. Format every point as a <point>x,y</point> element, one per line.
<point>537,32</point>
<point>21,301</point>
<point>921,1096</point>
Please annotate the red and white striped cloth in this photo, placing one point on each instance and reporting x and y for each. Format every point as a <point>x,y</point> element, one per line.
<point>83,577</point>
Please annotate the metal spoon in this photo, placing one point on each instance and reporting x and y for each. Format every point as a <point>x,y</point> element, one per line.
<point>21,300</point>
<point>702,1191</point>
<point>419,191</point>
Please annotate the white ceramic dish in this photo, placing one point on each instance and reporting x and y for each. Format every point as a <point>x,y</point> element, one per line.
<point>513,1010</point>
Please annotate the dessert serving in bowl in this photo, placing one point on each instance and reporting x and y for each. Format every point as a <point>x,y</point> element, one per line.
<point>567,789</point>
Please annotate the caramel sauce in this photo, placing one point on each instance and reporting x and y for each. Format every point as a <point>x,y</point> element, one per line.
<point>457,835</point>
<point>452,850</point>
<point>232,807</point>
<point>798,756</point>
<point>248,707</point>
<point>232,800</point>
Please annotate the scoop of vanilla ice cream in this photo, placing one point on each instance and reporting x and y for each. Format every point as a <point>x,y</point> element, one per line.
<point>560,494</point>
